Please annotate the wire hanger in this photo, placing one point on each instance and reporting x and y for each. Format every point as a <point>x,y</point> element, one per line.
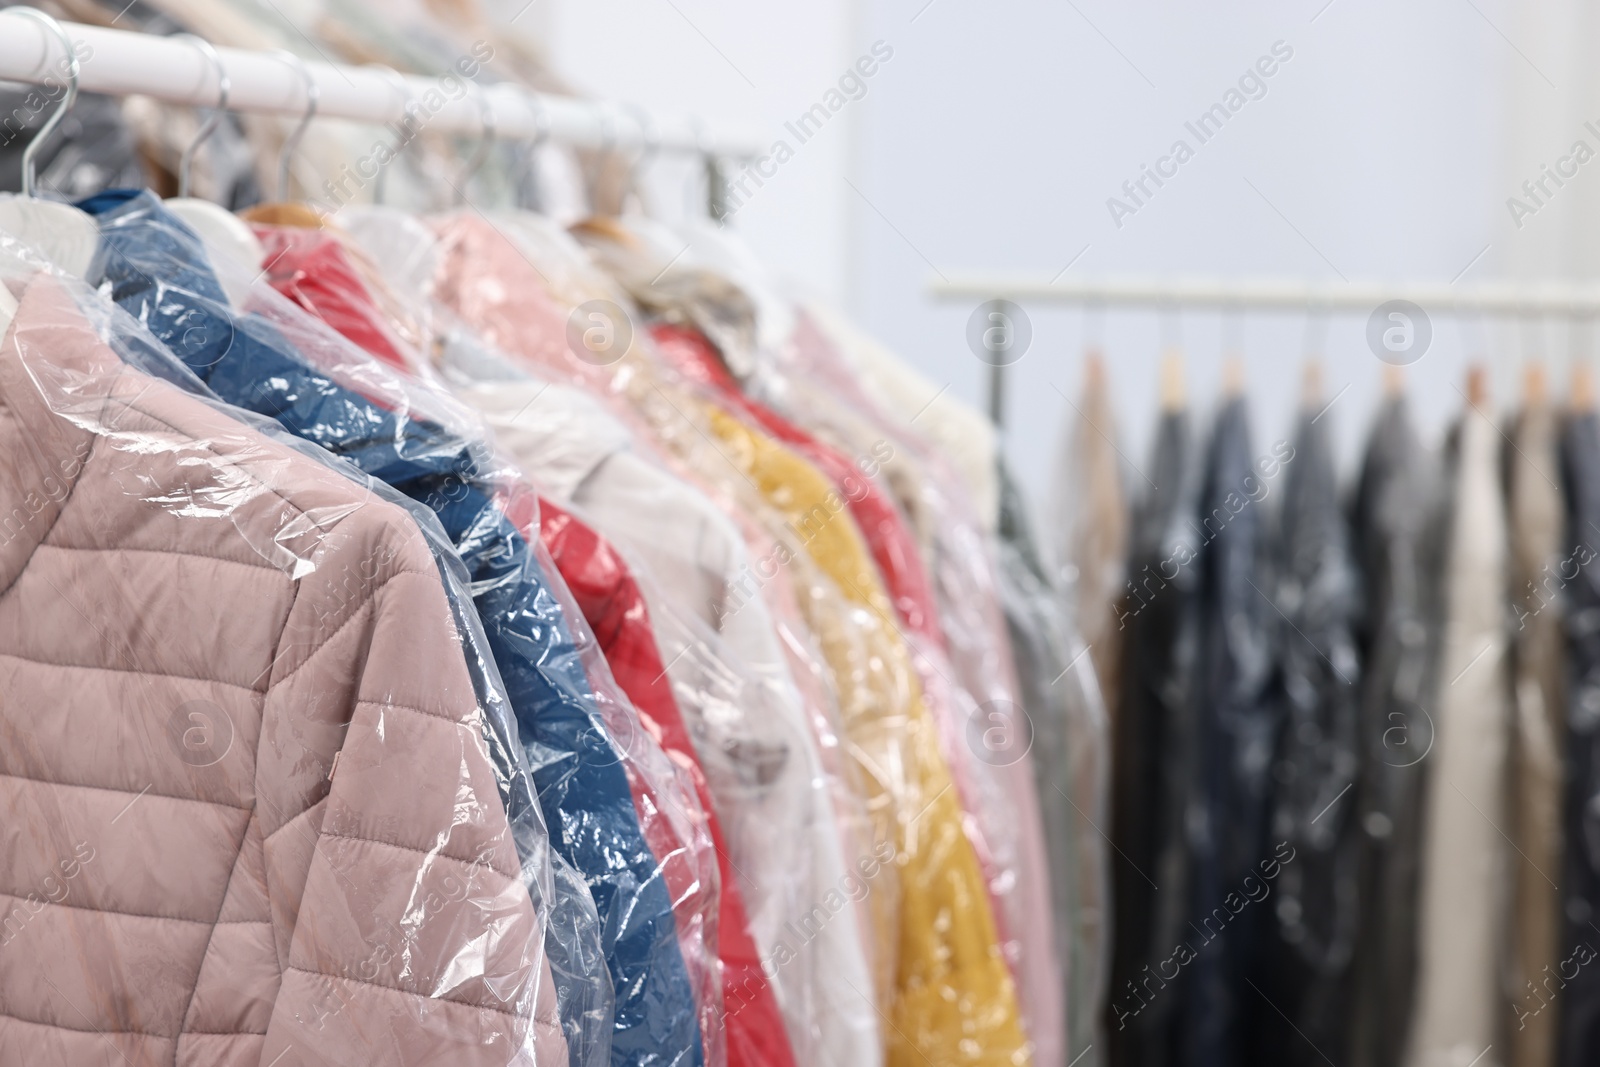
<point>650,145</point>
<point>485,142</point>
<point>209,126</point>
<point>530,159</point>
<point>64,235</point>
<point>403,128</point>
<point>291,144</point>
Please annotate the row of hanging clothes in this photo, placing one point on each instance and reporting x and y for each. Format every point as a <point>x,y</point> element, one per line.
<point>468,637</point>
<point>1354,775</point>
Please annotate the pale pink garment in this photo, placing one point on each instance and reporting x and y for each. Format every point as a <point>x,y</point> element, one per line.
<point>250,814</point>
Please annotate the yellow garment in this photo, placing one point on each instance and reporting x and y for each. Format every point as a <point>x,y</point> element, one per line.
<point>953,1001</point>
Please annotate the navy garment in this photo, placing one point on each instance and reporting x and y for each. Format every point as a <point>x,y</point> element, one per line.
<point>156,269</point>
<point>1309,933</point>
<point>1152,763</point>
<point>1579,1040</point>
<point>1237,728</point>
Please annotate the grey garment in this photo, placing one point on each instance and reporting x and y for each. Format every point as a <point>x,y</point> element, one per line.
<point>1540,563</point>
<point>1578,979</point>
<point>1237,718</point>
<point>1309,936</point>
<point>1071,759</point>
<point>1397,526</point>
<point>1459,1011</point>
<point>1152,753</point>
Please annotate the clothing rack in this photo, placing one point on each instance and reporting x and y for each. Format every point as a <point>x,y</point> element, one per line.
<point>1562,299</point>
<point>122,63</point>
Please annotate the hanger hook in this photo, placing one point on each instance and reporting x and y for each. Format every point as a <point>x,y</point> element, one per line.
<point>716,189</point>
<point>209,126</point>
<point>481,152</point>
<point>407,106</point>
<point>608,144</point>
<point>38,139</point>
<point>650,144</point>
<point>292,143</point>
<point>542,128</point>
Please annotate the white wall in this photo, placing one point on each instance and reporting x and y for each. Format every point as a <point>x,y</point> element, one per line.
<point>1385,148</point>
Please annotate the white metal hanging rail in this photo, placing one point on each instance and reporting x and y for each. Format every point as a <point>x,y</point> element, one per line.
<point>121,63</point>
<point>1495,298</point>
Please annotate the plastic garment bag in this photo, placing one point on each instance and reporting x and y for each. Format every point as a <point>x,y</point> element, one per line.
<point>614,607</point>
<point>583,779</point>
<point>1580,876</point>
<point>1310,936</point>
<point>1153,750</point>
<point>949,980</point>
<point>729,569</point>
<point>750,728</point>
<point>954,1000</point>
<point>1003,826</point>
<point>1540,565</point>
<point>313,268</point>
<point>972,691</point>
<point>298,732</point>
<point>1396,521</point>
<point>1070,749</point>
<point>1231,858</point>
<point>1458,991</point>
<point>717,288</point>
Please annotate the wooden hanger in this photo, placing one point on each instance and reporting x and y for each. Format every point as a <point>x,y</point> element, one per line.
<point>1477,386</point>
<point>1582,391</point>
<point>1173,392</point>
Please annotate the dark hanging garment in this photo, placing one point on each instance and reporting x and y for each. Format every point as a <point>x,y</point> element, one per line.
<point>1579,972</point>
<point>1310,915</point>
<point>1152,757</point>
<point>1061,697</point>
<point>1397,527</point>
<point>1237,726</point>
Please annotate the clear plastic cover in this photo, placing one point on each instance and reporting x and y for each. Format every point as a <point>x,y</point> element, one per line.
<point>608,791</point>
<point>364,873</point>
<point>774,795</point>
<point>971,681</point>
<point>949,973</point>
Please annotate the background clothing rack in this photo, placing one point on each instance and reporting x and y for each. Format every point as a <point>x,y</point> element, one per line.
<point>1545,298</point>
<point>121,63</point>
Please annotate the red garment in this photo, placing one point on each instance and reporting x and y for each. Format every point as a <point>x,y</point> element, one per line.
<point>615,610</point>
<point>892,546</point>
<point>312,268</point>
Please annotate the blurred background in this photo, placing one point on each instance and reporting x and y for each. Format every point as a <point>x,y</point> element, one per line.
<point>1385,149</point>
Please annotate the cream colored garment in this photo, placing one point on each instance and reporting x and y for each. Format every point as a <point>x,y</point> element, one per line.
<point>965,436</point>
<point>1091,528</point>
<point>694,557</point>
<point>1462,899</point>
<point>1539,560</point>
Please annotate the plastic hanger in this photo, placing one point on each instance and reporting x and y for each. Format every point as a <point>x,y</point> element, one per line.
<point>223,232</point>
<point>66,236</point>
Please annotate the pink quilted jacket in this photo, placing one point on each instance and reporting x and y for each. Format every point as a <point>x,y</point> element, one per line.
<point>247,815</point>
